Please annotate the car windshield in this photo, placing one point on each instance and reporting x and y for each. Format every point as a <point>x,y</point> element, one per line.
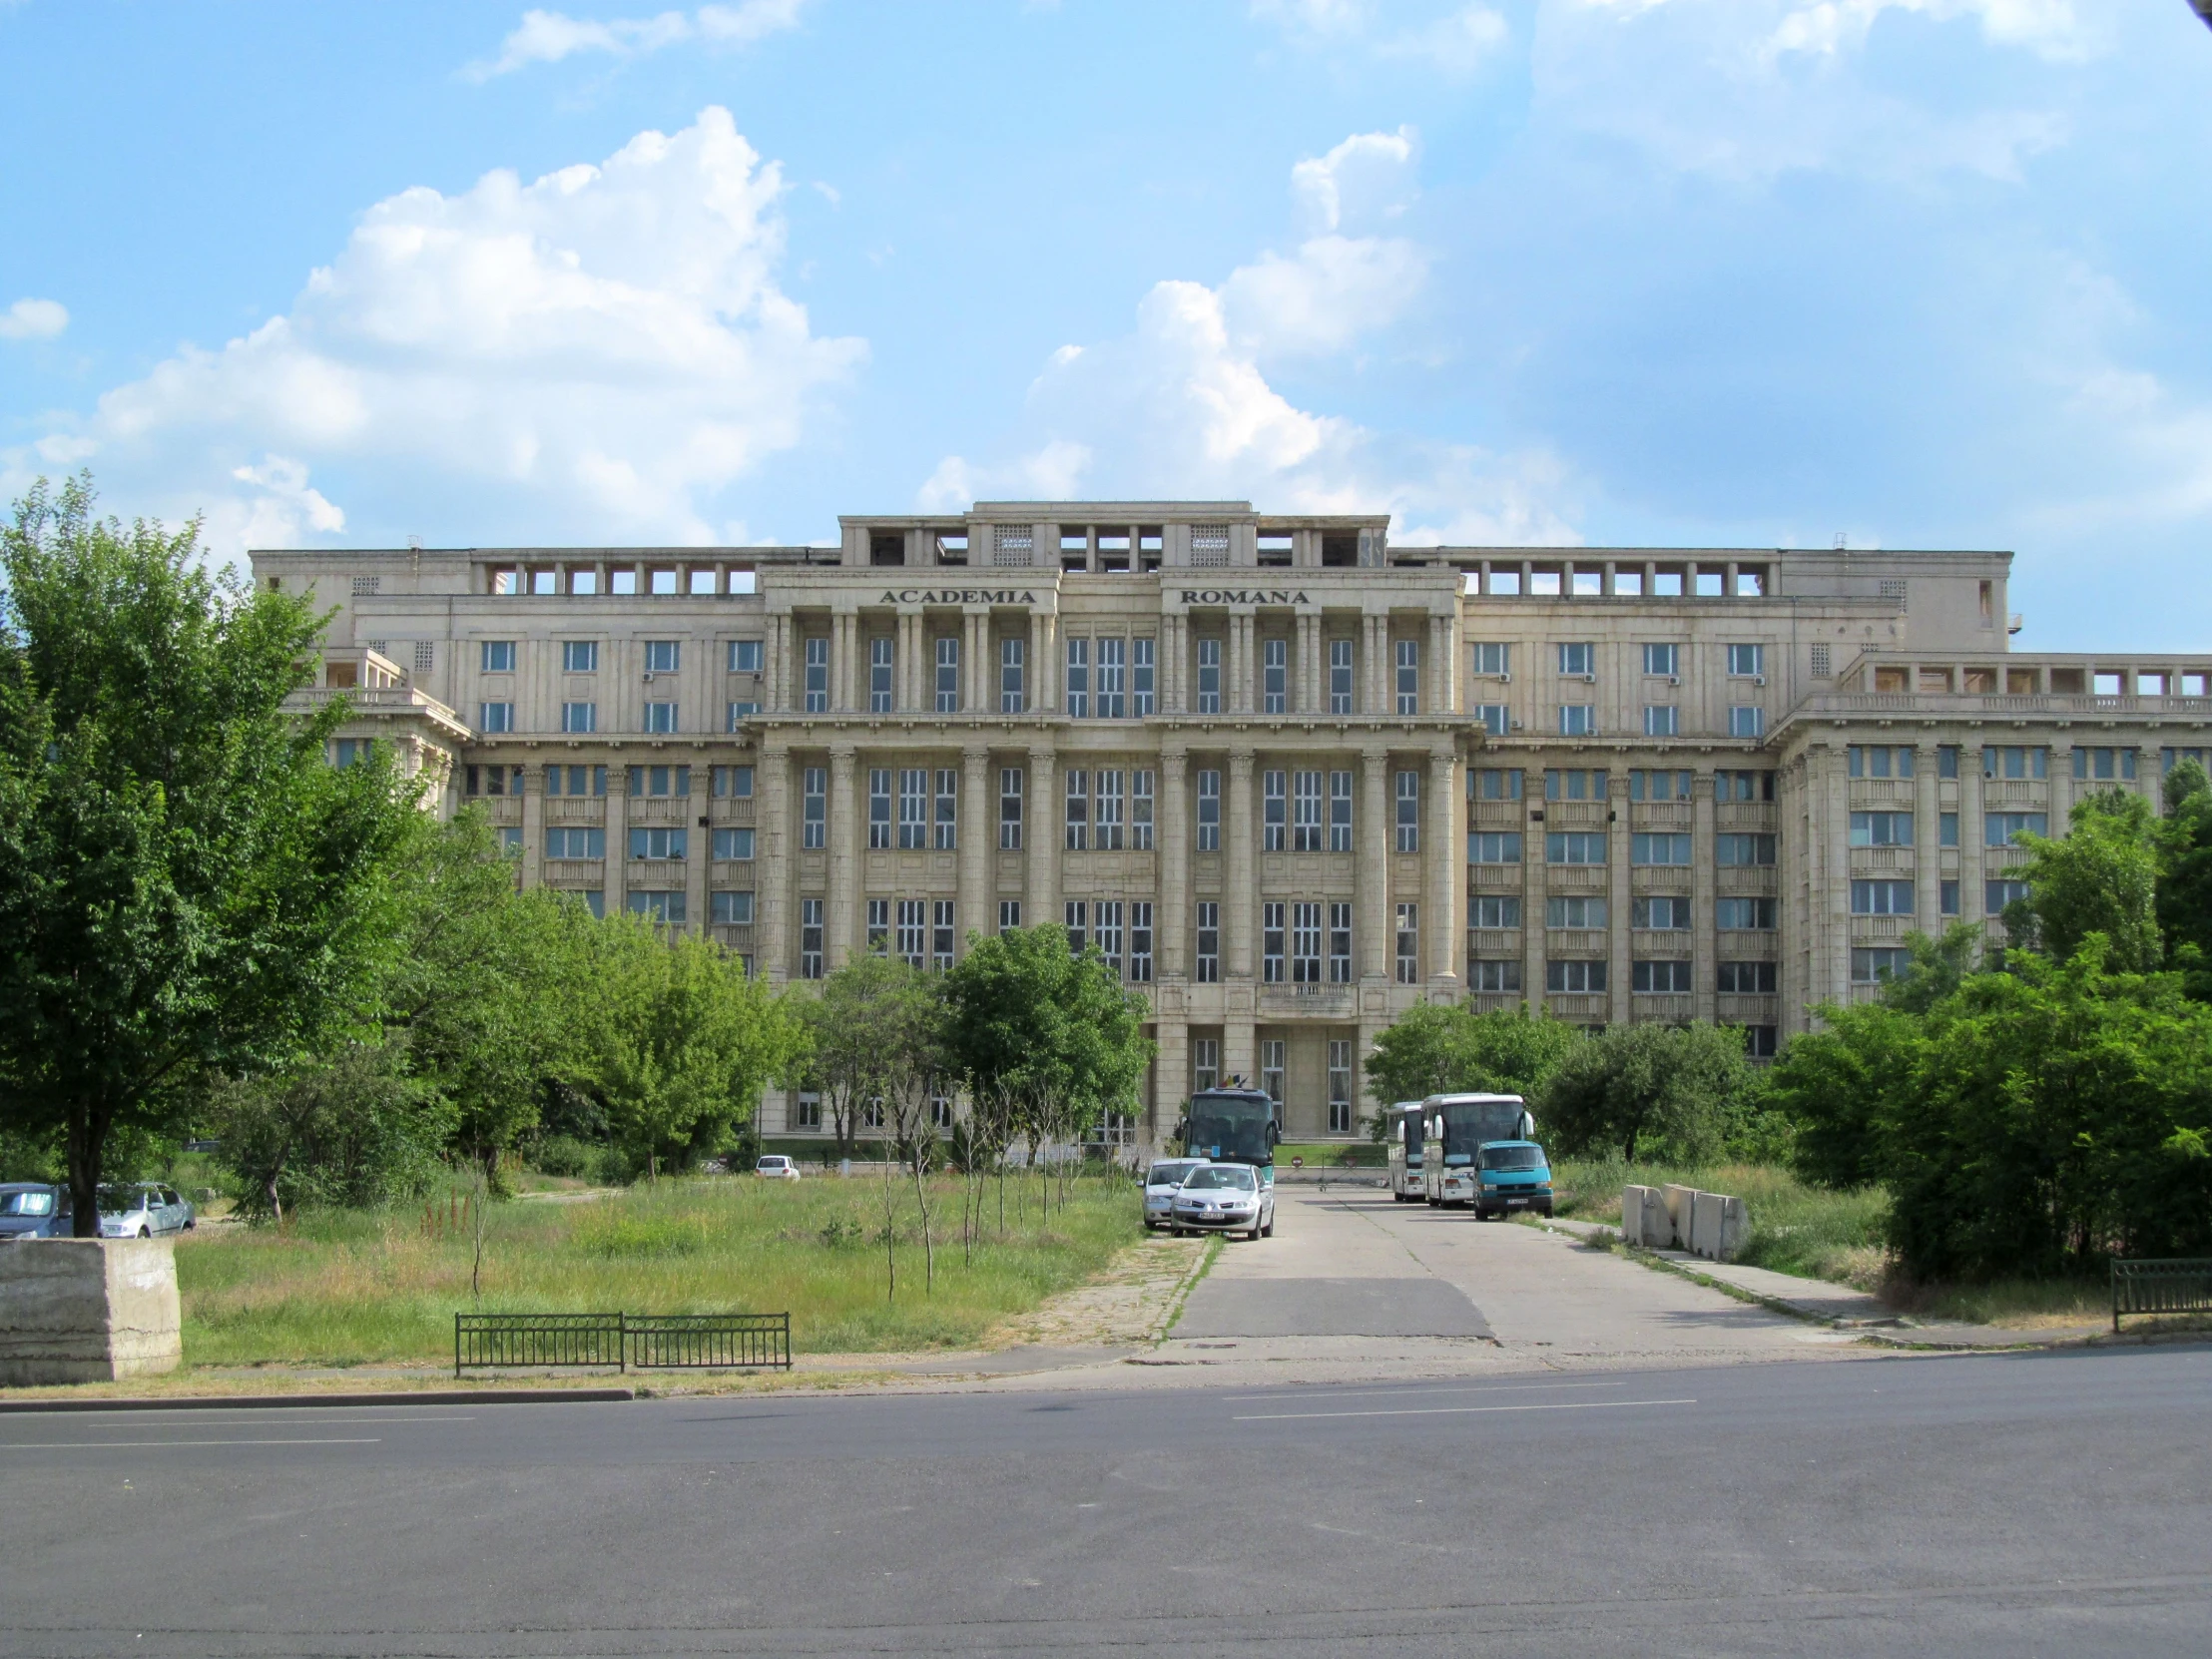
<point>1512,1157</point>
<point>26,1204</point>
<point>124,1199</point>
<point>1234,1176</point>
<point>1167,1175</point>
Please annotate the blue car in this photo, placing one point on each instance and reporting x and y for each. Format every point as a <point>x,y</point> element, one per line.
<point>33,1210</point>
<point>1512,1175</point>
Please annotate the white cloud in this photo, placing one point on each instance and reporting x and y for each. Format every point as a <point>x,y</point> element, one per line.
<point>33,320</point>
<point>1457,41</point>
<point>1333,290</point>
<point>548,37</point>
<point>2049,28</point>
<point>597,353</point>
<point>1367,173</point>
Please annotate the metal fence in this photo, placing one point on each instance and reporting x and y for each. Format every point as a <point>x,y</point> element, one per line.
<point>2173,1286</point>
<point>628,1341</point>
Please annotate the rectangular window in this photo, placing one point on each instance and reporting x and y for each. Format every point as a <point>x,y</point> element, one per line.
<point>1340,677</point>
<point>1273,809</point>
<point>1574,786</point>
<point>1663,660</point>
<point>1078,817</point>
<point>663,656</point>
<point>1140,810</point>
<point>880,927</point>
<point>946,837</point>
<point>1011,696</point>
<point>1869,966</point>
<point>1109,826</point>
<point>495,717</point>
<point>744,656</point>
<point>658,782</point>
<point>810,939</point>
<point>1743,785</point>
<point>1948,896</point>
<point>1274,677</point>
<point>1112,677</point>
<point>1140,941</point>
<point>1208,954</point>
<point>1562,911</point>
<point>1659,786</point>
<point>1490,656</point>
<point>1745,915</point>
<point>807,1105</point>
<point>499,656</point>
<point>576,780</point>
<point>1574,846</point>
<point>1493,974</point>
<point>1495,718</point>
<point>1880,760</point>
<point>1209,811</point>
<point>1494,783</point>
<point>1747,979</point>
<point>1305,798</point>
<point>1745,661</point>
<point>1409,677</point>
<point>738,713</point>
<point>1660,978</point>
<point>813,815</point>
<point>1493,911</point>
<point>575,843</point>
<point>1078,687</point>
<point>2011,762</point>
<point>883,658</point>
<point>1997,894</point>
<point>578,655</point>
<point>1010,914</point>
<point>1204,1063</point>
<point>1577,719</point>
<point>948,674</point>
<point>731,909</point>
<point>1574,978</point>
<point>1072,918</point>
<point>1408,945</point>
<point>1271,1073</point>
<point>1340,1085</point>
<point>1747,719</point>
<point>1664,912</point>
<point>1882,898</point>
<point>1142,677</point>
<point>1578,660</point>
<point>657,844</point>
<point>1271,943</point>
<point>1408,812</point>
<point>731,782</point>
<point>1882,828</point>
<point>879,808</point>
<point>1998,828</point>
<point>579,717</point>
<point>1743,851</point>
<point>1208,677</point>
<point>1009,809</point>
<point>1306,944</point>
<point>2104,765</point>
<point>1494,846</point>
<point>662,717</point>
<point>913,930</point>
<point>941,934</point>
<point>913,809</point>
<point>1339,942</point>
<point>1339,812</point>
<point>817,676</point>
<point>662,905</point>
<point>733,843</point>
<point>1946,761</point>
<point>1662,720</point>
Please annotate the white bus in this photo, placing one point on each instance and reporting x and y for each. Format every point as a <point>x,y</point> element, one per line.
<point>1458,1126</point>
<point>1405,1120</point>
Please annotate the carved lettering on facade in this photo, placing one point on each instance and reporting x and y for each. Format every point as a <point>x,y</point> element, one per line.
<point>958,596</point>
<point>1245,596</point>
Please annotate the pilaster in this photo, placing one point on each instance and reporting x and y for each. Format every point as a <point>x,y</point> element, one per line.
<point>777,865</point>
<point>1172,919</point>
<point>1044,830</point>
<point>845,830</point>
<point>1237,897</point>
<point>976,840</point>
<point>1704,884</point>
<point>1447,862</point>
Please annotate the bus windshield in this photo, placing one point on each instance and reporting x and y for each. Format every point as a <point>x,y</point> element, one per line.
<point>1469,1123</point>
<point>1411,1117</point>
<point>1231,1128</point>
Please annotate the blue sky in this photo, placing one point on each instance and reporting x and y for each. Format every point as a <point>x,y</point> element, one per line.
<point>1922,273</point>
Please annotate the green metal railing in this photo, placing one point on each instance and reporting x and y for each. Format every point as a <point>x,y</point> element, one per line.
<point>628,1341</point>
<point>2173,1286</point>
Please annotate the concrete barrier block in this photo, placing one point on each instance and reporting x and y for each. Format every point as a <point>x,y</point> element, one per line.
<point>1704,1225</point>
<point>1632,1214</point>
<point>1679,1202</point>
<point>1734,1228</point>
<point>88,1310</point>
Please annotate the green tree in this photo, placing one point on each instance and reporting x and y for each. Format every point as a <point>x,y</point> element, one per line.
<point>1436,1049</point>
<point>2101,878</point>
<point>187,889</point>
<point>2185,877</point>
<point>1838,1085</point>
<point>1672,1092</point>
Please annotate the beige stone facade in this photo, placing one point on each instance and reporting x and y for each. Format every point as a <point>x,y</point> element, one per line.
<point>1290,777</point>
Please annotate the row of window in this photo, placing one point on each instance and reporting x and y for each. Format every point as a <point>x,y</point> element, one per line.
<point>1999,761</point>
<point>656,717</point>
<point>1896,829</point>
<point>1659,977</point>
<point>1896,899</point>
<point>650,844</point>
<point>1733,850</point>
<point>1578,659</point>
<point>1579,720</point>
<point>1274,1052</point>
<point>582,656</point>
<point>646,783</point>
<point>1584,784</point>
<point>1662,911</point>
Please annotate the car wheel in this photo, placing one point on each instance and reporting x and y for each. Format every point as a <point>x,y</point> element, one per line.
<point>1435,1204</point>
<point>146,1231</point>
<point>1268,1232</point>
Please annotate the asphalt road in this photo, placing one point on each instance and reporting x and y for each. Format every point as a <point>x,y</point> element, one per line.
<point>2013,1504</point>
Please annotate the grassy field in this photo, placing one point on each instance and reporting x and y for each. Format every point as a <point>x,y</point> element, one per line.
<point>1794,1227</point>
<point>352,1288</point>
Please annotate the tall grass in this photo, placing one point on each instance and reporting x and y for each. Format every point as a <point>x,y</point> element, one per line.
<point>358,1286</point>
<point>1795,1228</point>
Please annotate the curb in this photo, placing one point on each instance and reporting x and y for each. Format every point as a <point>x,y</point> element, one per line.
<point>405,1396</point>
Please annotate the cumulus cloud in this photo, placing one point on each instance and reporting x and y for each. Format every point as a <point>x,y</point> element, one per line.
<point>595,353</point>
<point>548,37</point>
<point>33,320</point>
<point>1367,173</point>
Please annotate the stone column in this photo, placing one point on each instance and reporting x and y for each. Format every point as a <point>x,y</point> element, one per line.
<point>845,829</point>
<point>775,865</point>
<point>2150,780</point>
<point>844,671</point>
<point>1044,830</point>
<point>1044,673</point>
<point>1618,907</point>
<point>1535,942</point>
<point>1440,666</point>
<point>1927,856</point>
<point>1237,880</point>
<point>1828,795</point>
<point>913,678</point>
<point>1447,862</point>
<point>533,825</point>
<point>1374,646</point>
<point>614,881</point>
<point>1370,839</point>
<point>1973,899</point>
<point>1172,923</point>
<point>1240,662</point>
<point>976,843</point>
<point>1703,883</point>
<point>975,684</point>
<point>1307,698</point>
<point>1171,666</point>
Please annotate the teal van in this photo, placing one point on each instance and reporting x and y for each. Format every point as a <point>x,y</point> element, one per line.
<point>1511,1175</point>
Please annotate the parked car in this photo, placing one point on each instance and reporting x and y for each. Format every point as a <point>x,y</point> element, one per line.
<point>34,1210</point>
<point>1224,1198</point>
<point>1514,1174</point>
<point>1159,1183</point>
<point>142,1211</point>
<point>776,1167</point>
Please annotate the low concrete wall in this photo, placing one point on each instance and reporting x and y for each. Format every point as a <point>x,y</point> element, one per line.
<point>88,1310</point>
<point>1710,1225</point>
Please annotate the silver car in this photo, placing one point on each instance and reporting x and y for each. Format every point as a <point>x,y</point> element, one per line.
<point>1225,1198</point>
<point>142,1211</point>
<point>1159,1183</point>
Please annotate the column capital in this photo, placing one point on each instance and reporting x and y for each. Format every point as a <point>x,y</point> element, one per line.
<point>1240,763</point>
<point>1175,753</point>
<point>977,753</point>
<point>1374,753</point>
<point>842,754</point>
<point>775,753</point>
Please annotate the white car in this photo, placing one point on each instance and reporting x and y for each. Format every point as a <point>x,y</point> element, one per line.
<point>1225,1198</point>
<point>1159,1183</point>
<point>776,1167</point>
<point>142,1211</point>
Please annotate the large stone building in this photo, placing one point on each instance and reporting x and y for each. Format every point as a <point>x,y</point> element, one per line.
<point>1289,778</point>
